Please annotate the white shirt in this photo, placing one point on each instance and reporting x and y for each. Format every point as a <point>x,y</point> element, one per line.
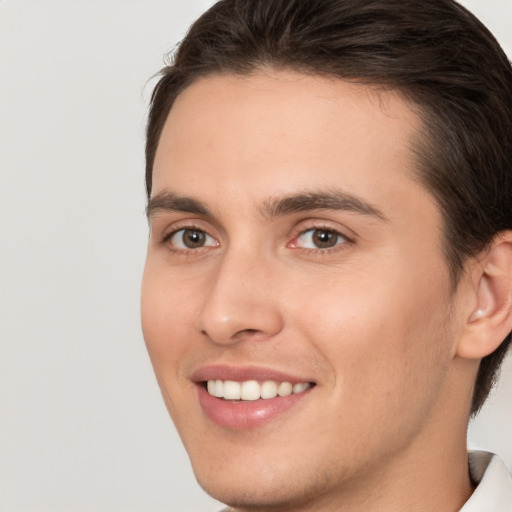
<point>494,490</point>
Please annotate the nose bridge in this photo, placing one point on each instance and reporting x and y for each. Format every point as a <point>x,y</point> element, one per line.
<point>240,298</point>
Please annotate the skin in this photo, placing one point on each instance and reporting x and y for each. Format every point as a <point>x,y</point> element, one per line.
<point>373,320</point>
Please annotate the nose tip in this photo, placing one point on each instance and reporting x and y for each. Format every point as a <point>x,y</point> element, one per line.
<point>233,329</point>
<point>238,308</point>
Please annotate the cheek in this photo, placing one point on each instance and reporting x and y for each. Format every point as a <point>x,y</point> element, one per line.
<point>167,314</point>
<point>167,318</point>
<point>387,344</point>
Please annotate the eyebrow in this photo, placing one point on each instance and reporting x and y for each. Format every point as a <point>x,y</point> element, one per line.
<point>321,200</point>
<point>274,207</point>
<point>171,202</point>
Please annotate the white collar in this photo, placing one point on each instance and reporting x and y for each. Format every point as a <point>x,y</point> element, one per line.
<point>494,490</point>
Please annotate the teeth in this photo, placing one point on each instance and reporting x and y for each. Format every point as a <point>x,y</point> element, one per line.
<point>250,390</point>
<point>231,390</point>
<point>253,390</point>
<point>284,389</point>
<point>300,387</point>
<point>219,389</point>
<point>268,389</point>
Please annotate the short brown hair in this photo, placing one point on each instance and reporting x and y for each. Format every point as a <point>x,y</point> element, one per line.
<point>436,53</point>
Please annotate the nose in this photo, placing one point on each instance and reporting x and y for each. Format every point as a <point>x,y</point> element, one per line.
<point>241,301</point>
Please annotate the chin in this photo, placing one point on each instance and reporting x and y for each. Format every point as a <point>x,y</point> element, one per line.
<point>252,496</point>
<point>252,487</point>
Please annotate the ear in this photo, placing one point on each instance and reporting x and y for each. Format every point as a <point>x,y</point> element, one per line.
<point>490,320</point>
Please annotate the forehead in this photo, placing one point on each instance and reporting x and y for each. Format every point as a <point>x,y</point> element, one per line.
<point>270,131</point>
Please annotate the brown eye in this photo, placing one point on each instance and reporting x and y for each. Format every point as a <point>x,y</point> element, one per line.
<point>324,239</point>
<point>320,239</point>
<point>191,239</point>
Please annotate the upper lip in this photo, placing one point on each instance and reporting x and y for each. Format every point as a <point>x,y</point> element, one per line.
<point>244,373</point>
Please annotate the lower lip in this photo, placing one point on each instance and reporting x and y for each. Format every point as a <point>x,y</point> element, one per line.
<point>244,415</point>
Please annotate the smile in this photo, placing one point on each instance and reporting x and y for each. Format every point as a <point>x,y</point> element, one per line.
<point>247,397</point>
<point>251,390</point>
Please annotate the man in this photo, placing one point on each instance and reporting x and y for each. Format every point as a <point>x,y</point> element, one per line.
<point>328,288</point>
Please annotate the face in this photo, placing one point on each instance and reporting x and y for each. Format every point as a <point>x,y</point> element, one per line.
<point>295,270</point>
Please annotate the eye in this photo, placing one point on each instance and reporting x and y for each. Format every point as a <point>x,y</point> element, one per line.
<point>190,238</point>
<point>319,239</point>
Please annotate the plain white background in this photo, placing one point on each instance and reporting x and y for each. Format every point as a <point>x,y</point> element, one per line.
<point>83,427</point>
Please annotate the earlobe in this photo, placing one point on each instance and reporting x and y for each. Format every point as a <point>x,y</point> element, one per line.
<point>490,321</point>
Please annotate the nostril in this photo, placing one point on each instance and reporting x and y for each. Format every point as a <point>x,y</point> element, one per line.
<point>252,334</point>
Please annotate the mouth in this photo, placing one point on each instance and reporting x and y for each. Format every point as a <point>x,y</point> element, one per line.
<point>248,397</point>
<point>252,390</point>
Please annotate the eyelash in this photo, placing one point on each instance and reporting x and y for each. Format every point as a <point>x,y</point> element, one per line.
<point>346,241</point>
<point>188,227</point>
<point>339,246</point>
